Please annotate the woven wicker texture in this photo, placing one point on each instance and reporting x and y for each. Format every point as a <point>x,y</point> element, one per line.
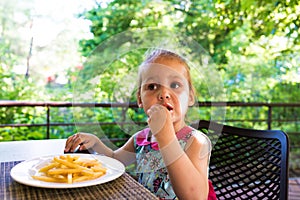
<point>125,187</point>
<point>247,164</point>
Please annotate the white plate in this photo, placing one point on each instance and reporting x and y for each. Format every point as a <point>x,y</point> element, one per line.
<point>23,171</point>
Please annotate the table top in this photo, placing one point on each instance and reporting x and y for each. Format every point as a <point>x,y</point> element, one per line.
<point>124,187</point>
<point>24,150</point>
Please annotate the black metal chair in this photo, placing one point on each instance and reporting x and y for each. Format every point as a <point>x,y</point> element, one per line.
<point>246,163</point>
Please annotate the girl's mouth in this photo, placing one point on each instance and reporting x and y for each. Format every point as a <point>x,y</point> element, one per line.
<point>169,106</point>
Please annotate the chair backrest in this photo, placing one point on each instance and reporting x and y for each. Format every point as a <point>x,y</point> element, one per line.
<point>246,163</point>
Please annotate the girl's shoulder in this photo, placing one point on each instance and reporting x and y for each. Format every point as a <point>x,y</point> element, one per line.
<point>187,132</point>
<point>201,138</point>
<point>200,135</point>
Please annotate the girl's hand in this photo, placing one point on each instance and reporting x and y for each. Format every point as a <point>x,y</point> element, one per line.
<point>159,120</point>
<point>84,140</point>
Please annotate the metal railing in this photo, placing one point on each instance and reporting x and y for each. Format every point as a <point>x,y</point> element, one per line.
<point>48,105</point>
<point>272,117</point>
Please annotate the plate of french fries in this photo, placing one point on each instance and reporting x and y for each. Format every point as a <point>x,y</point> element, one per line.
<point>67,171</point>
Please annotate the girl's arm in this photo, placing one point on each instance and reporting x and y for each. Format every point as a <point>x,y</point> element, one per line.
<point>187,170</point>
<point>125,154</point>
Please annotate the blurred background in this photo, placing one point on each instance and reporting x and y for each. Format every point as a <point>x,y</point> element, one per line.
<point>44,45</point>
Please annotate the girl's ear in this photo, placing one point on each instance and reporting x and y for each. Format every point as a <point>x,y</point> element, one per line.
<point>139,100</point>
<point>191,98</point>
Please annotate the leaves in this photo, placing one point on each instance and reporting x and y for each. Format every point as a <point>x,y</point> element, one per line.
<point>252,45</point>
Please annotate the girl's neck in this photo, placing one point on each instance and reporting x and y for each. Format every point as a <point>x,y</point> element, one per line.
<point>178,126</point>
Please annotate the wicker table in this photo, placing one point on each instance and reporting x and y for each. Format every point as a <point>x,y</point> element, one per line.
<point>124,187</point>
<point>12,153</point>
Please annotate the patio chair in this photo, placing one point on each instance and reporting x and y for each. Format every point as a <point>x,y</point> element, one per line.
<point>246,163</point>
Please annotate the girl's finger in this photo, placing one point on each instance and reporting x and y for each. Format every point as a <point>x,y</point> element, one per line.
<point>77,141</point>
<point>69,143</point>
<point>72,143</point>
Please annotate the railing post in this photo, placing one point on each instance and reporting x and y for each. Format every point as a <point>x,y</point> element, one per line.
<point>269,117</point>
<point>48,122</point>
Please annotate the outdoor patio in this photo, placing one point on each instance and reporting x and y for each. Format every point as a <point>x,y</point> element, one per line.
<point>294,188</point>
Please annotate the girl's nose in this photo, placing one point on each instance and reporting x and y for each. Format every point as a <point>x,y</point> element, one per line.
<point>164,94</point>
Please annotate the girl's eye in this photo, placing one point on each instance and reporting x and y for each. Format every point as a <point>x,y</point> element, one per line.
<point>152,86</point>
<point>175,85</point>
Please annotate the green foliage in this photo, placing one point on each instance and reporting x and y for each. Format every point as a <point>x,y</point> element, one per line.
<point>21,133</point>
<point>250,42</point>
<point>15,86</point>
<point>238,36</point>
<point>254,45</point>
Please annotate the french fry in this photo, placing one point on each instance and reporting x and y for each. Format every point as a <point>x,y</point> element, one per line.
<point>48,167</point>
<point>70,178</point>
<point>70,169</point>
<point>49,179</point>
<point>62,171</point>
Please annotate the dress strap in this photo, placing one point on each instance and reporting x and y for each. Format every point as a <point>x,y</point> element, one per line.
<point>143,138</point>
<point>182,133</point>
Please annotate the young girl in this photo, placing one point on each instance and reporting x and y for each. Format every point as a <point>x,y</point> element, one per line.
<point>172,158</point>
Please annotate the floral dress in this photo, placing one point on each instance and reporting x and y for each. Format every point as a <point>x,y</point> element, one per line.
<point>151,170</point>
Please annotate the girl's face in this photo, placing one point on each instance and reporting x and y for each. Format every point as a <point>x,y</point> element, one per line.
<point>165,82</point>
